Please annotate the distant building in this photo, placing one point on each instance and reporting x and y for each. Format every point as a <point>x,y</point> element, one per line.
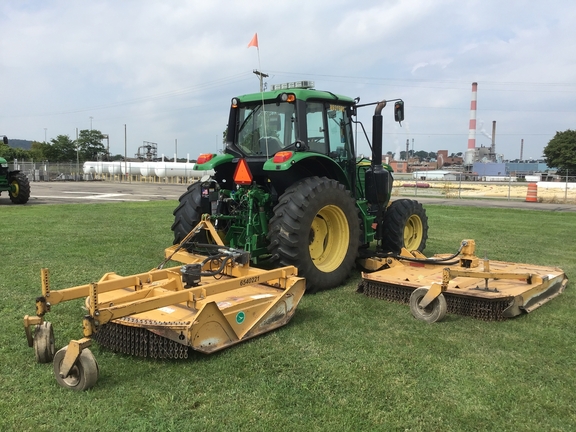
<point>442,159</point>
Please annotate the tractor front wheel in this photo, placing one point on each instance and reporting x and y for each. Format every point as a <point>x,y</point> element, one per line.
<point>405,226</point>
<point>19,188</point>
<point>316,228</point>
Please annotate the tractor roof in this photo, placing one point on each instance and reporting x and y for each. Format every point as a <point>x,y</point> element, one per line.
<point>300,93</point>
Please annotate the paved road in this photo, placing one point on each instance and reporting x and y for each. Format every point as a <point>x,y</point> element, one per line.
<point>97,191</point>
<point>90,192</point>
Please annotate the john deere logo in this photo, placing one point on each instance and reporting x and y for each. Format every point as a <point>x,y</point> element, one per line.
<point>240,317</point>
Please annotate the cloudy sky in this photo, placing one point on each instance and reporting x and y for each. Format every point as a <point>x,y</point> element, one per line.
<point>168,69</point>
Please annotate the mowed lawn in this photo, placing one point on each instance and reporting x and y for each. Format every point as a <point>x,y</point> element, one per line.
<point>344,363</point>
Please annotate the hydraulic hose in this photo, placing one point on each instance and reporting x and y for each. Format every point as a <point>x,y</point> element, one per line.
<point>433,261</point>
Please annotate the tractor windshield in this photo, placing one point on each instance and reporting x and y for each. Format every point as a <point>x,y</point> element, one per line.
<point>266,129</point>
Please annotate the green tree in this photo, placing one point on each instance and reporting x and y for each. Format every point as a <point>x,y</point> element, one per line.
<point>10,153</point>
<point>561,151</point>
<point>38,151</point>
<point>421,155</point>
<point>91,147</point>
<point>61,149</point>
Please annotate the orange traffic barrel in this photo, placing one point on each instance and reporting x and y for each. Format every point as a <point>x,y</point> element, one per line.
<point>532,194</point>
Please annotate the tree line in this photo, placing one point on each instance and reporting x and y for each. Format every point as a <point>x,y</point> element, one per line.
<point>88,147</point>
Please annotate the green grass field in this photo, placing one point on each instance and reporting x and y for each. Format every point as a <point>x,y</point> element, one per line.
<point>344,363</point>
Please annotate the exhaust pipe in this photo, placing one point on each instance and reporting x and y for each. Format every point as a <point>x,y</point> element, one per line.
<point>377,130</point>
<point>378,179</point>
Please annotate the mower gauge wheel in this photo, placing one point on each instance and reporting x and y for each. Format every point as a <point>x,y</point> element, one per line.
<point>83,374</point>
<point>435,311</point>
<point>44,347</point>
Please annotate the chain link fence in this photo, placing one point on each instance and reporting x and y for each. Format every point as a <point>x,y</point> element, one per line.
<point>71,171</point>
<point>551,187</point>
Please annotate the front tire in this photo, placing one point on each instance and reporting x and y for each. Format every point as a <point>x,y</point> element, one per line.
<point>405,226</point>
<point>84,373</point>
<point>44,347</point>
<point>434,312</point>
<point>20,192</point>
<point>316,228</point>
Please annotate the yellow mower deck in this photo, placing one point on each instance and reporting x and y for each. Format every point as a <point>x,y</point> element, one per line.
<point>162,313</point>
<point>466,285</point>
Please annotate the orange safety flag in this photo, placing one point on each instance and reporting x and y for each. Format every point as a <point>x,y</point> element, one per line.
<point>254,41</point>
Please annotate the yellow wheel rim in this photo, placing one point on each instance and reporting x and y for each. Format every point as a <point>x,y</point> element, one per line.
<point>329,238</point>
<point>413,233</point>
<point>16,188</point>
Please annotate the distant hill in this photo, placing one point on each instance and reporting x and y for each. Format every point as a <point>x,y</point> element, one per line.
<point>18,143</point>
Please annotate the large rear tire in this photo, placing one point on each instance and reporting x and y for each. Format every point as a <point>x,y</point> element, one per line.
<point>188,213</point>
<point>316,228</point>
<point>21,188</point>
<point>405,226</point>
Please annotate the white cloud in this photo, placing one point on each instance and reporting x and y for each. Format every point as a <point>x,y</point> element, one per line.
<point>167,69</point>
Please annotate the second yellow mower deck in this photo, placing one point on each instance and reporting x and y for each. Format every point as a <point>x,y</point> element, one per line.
<point>488,290</point>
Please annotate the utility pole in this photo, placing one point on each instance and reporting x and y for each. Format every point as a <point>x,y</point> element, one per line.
<point>261,76</point>
<point>126,155</point>
<point>77,157</point>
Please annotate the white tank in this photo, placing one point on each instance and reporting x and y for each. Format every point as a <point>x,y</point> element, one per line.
<point>132,168</point>
<point>102,167</point>
<point>174,169</point>
<point>147,169</point>
<point>469,156</point>
<point>114,168</point>
<point>89,167</point>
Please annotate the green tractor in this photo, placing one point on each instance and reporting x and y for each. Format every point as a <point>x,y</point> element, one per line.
<point>14,182</point>
<point>290,188</point>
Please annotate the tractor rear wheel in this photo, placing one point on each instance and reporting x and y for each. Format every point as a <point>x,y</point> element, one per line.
<point>405,226</point>
<point>188,213</point>
<point>316,228</point>
<point>20,192</point>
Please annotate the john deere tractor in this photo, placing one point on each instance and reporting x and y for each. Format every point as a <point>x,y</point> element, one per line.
<point>291,189</point>
<point>13,182</point>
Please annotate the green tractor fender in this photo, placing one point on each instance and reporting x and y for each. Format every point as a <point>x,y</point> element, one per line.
<point>287,168</point>
<point>211,161</point>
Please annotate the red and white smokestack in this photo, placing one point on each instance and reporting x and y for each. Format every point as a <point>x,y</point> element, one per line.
<point>472,132</point>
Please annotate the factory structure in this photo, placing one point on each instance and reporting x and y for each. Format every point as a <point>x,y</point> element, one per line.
<point>476,163</point>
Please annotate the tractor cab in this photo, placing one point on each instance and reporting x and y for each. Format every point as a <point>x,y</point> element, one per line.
<point>288,133</point>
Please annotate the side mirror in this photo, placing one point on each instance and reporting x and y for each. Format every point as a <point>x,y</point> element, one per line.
<point>399,111</point>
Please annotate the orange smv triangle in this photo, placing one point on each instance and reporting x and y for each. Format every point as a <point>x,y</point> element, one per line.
<point>242,175</point>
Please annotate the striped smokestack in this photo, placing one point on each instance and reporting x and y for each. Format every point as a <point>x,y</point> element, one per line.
<point>472,132</point>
